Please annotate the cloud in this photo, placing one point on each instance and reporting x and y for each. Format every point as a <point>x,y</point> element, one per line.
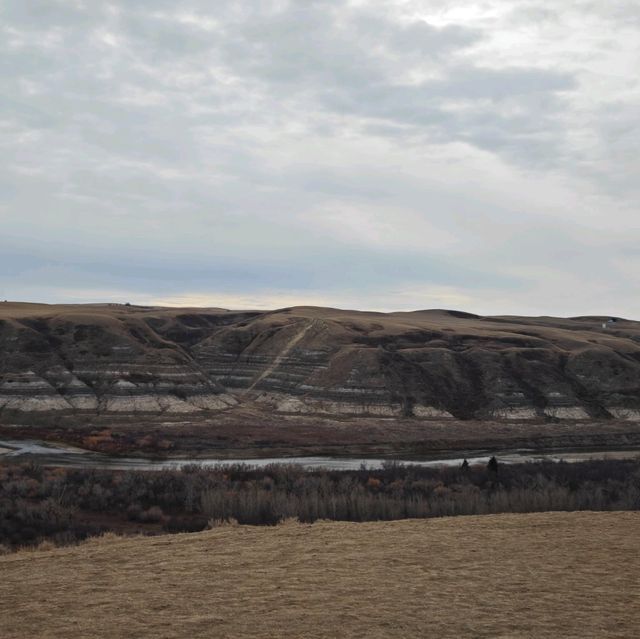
<point>394,154</point>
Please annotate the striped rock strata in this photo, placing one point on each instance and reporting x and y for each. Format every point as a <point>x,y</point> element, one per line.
<point>426,365</point>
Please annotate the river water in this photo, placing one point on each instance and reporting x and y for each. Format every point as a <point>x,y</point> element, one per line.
<point>60,455</point>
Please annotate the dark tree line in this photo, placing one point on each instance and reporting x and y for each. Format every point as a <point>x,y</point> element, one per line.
<point>67,505</point>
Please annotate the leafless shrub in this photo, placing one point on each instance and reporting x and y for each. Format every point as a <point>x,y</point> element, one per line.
<point>55,504</point>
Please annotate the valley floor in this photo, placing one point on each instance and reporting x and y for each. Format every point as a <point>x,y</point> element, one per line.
<point>244,433</point>
<point>534,575</point>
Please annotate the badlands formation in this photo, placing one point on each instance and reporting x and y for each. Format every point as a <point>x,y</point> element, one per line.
<point>437,364</point>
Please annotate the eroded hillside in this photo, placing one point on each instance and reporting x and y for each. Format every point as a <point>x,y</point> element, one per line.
<point>426,364</point>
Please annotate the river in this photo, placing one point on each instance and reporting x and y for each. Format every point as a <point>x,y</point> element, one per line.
<point>49,454</point>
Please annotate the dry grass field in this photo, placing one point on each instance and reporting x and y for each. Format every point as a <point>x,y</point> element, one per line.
<point>538,575</point>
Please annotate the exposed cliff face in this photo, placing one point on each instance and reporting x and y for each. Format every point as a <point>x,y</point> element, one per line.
<point>428,364</point>
<point>97,359</point>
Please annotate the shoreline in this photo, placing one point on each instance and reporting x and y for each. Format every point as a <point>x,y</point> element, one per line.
<point>51,455</point>
<point>257,438</point>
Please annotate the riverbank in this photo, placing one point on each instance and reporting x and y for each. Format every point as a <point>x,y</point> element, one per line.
<point>60,455</point>
<point>252,436</point>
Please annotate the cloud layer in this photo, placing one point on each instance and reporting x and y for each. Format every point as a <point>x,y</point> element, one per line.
<point>368,154</point>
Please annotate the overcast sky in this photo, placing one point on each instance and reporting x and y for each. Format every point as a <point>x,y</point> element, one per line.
<point>383,155</point>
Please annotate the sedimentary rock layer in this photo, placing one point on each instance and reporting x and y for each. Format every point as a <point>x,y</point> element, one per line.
<point>426,364</point>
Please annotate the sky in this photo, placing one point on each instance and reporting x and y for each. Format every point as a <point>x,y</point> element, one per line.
<point>384,155</point>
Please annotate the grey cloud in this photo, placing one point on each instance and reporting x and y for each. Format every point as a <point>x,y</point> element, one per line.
<point>367,269</point>
<point>357,66</point>
<point>44,15</point>
<point>344,60</point>
<point>202,145</point>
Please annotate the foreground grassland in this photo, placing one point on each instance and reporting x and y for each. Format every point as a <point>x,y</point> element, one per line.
<point>534,575</point>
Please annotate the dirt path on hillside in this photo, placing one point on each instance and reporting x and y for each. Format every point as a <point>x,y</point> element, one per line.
<point>289,346</point>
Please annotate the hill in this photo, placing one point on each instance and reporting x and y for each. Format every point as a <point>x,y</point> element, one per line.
<point>436,364</point>
<point>538,575</point>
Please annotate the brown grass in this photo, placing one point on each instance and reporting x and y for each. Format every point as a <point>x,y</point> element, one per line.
<point>540,575</point>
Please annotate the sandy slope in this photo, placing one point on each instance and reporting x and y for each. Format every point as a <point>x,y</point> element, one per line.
<point>538,575</point>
